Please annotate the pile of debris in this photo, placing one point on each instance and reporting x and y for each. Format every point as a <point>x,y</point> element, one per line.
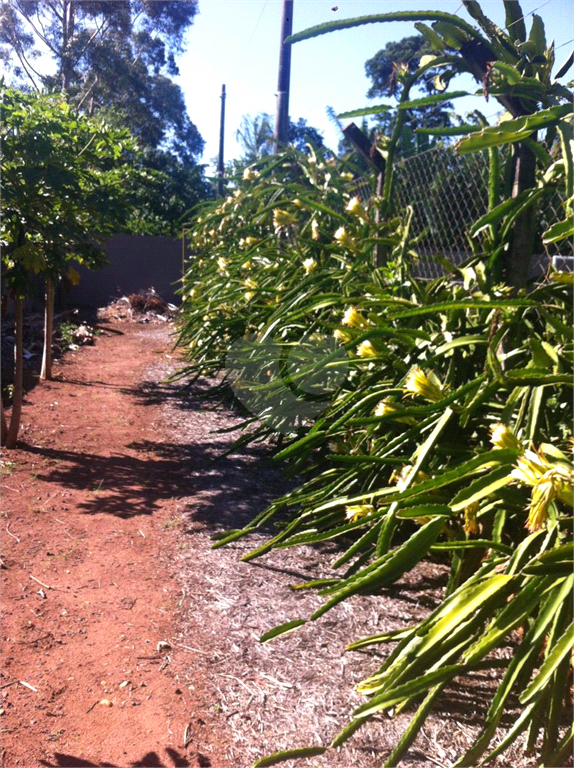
<point>82,336</point>
<point>142,307</point>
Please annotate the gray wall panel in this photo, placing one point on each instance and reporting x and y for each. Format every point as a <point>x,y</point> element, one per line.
<point>136,263</point>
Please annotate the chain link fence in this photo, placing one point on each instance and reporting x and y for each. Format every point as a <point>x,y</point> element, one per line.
<point>448,193</point>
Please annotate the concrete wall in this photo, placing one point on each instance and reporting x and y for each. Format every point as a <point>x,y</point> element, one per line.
<point>136,263</point>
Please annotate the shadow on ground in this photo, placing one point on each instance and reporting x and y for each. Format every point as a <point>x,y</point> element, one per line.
<point>149,760</point>
<point>228,491</point>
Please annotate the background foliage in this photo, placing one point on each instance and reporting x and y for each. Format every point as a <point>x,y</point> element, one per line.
<point>120,54</point>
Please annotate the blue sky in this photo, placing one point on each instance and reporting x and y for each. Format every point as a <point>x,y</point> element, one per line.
<point>236,42</point>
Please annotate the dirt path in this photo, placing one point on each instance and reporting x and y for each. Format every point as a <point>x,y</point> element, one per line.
<point>111,592</point>
<point>88,598</point>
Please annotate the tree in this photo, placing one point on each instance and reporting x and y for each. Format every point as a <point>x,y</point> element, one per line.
<point>396,57</point>
<point>64,181</point>
<point>119,54</point>
<point>108,53</point>
<point>387,70</point>
<point>165,194</point>
<point>301,134</point>
<point>255,135</point>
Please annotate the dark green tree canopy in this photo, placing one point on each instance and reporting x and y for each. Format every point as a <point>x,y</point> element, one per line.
<point>164,198</point>
<point>301,134</point>
<point>383,68</point>
<point>120,52</point>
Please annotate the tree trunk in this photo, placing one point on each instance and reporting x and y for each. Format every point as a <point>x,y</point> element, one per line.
<point>14,428</point>
<point>519,255</point>
<point>67,35</point>
<point>46,372</point>
<point>4,425</point>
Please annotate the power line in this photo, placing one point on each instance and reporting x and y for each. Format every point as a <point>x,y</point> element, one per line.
<point>255,29</point>
<point>530,13</point>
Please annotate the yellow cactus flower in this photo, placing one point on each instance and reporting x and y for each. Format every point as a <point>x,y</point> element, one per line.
<point>548,480</point>
<point>354,206</point>
<point>428,386</point>
<point>543,494</point>
<point>309,265</point>
<point>385,407</point>
<point>246,265</point>
<point>344,239</point>
<point>250,174</point>
<point>343,336</point>
<point>366,349</point>
<point>357,511</point>
<point>248,295</point>
<point>250,241</point>
<point>401,477</point>
<point>251,284</point>
<point>530,468</point>
<point>282,218</point>
<point>502,437</point>
<point>470,518</point>
<point>315,233</point>
<point>222,265</point>
<point>355,319</point>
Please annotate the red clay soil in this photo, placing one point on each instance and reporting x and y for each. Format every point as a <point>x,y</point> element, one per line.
<point>90,675</point>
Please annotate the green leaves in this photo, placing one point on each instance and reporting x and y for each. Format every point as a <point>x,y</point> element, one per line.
<point>321,29</point>
<point>511,131</point>
<point>61,184</point>
<point>481,488</point>
<point>289,754</point>
<point>390,568</point>
<point>428,101</point>
<point>562,647</point>
<point>282,629</point>
<point>514,20</point>
<point>375,110</point>
<point>562,230</point>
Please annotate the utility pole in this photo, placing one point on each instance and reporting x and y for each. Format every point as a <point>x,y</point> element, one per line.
<point>221,134</point>
<point>281,132</point>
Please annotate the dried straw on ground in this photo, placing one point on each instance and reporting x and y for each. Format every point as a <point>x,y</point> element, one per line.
<point>297,690</point>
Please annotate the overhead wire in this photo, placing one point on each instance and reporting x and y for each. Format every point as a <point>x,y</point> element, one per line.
<point>254,30</point>
<point>530,13</point>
